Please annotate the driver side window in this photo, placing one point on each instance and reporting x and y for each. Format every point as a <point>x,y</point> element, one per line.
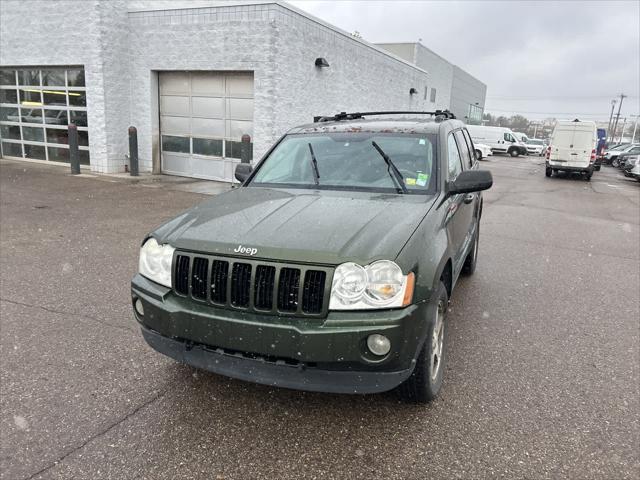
<point>455,164</point>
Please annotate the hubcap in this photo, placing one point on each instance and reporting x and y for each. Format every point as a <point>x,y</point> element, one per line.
<point>437,342</point>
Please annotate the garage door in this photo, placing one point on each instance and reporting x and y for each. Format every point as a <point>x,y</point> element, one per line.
<point>203,116</point>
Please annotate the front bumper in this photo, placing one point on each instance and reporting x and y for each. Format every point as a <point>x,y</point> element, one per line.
<point>316,354</point>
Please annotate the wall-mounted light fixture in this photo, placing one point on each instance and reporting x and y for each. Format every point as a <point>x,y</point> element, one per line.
<point>412,91</point>
<point>321,62</point>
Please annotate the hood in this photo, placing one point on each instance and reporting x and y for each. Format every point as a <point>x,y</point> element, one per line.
<point>307,226</point>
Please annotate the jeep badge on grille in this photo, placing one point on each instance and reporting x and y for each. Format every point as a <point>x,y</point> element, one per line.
<point>247,250</point>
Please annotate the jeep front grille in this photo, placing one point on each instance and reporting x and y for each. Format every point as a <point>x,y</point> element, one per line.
<point>265,287</point>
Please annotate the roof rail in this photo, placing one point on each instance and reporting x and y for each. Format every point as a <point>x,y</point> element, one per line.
<point>439,114</point>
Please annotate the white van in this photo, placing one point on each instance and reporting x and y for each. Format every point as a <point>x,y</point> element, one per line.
<point>521,137</point>
<point>499,139</point>
<point>572,148</point>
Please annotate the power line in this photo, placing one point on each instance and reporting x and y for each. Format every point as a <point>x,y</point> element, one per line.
<point>488,109</point>
<point>550,97</point>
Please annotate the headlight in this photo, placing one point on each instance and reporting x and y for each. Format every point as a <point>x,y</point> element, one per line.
<point>349,283</point>
<point>379,285</point>
<point>155,262</point>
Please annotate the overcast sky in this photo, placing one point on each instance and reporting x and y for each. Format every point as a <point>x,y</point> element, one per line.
<point>540,59</point>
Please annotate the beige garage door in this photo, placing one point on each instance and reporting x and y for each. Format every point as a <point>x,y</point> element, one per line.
<point>203,116</point>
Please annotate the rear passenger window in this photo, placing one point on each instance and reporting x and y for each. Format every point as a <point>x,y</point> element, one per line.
<point>455,165</point>
<point>465,153</point>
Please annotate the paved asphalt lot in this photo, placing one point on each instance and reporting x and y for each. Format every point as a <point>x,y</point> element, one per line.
<point>542,381</point>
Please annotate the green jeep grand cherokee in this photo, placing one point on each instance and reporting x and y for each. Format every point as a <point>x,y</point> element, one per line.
<point>331,267</point>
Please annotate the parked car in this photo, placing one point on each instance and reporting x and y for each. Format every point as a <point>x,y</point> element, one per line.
<point>482,150</point>
<point>572,148</point>
<point>613,151</point>
<point>635,171</point>
<point>499,139</point>
<point>630,161</point>
<point>535,146</point>
<point>331,267</point>
<point>619,159</point>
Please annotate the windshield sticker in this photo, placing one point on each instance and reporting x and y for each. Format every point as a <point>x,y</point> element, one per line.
<point>422,141</point>
<point>422,179</point>
<point>410,181</point>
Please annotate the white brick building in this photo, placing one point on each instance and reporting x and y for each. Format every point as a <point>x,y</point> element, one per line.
<point>463,94</point>
<point>192,80</point>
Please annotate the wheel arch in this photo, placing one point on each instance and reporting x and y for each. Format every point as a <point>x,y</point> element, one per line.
<point>445,275</point>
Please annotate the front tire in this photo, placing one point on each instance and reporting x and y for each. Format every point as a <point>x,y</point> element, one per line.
<point>478,154</point>
<point>547,172</point>
<point>514,152</point>
<point>615,162</point>
<point>426,379</point>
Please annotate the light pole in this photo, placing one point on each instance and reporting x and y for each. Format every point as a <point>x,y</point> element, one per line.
<point>613,105</point>
<point>615,123</point>
<point>635,125</point>
<point>624,122</point>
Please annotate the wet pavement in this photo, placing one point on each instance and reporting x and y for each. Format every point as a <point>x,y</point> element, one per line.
<point>542,379</point>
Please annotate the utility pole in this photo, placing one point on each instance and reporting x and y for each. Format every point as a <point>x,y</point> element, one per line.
<point>613,105</point>
<point>615,124</point>
<point>624,122</point>
<point>635,125</point>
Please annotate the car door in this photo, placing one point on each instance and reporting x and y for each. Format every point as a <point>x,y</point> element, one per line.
<point>459,211</point>
<point>469,200</point>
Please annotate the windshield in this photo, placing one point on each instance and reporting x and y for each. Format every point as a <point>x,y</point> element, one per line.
<point>535,142</point>
<point>351,161</point>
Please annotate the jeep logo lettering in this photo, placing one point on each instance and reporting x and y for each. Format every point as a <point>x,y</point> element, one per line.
<point>246,250</point>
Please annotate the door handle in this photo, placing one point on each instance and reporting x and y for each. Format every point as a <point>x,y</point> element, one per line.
<point>468,198</point>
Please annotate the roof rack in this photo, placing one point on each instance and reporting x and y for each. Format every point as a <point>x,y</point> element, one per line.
<point>439,114</point>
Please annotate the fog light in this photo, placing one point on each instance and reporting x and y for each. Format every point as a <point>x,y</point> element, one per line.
<point>139,308</point>
<point>378,344</point>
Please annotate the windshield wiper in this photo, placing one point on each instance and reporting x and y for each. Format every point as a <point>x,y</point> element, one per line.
<point>392,169</point>
<point>314,164</point>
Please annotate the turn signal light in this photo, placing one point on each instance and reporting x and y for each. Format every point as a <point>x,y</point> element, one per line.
<point>408,293</point>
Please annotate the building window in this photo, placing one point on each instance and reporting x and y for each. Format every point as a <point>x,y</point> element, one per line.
<point>426,92</point>
<point>433,95</point>
<point>36,106</point>
<point>475,114</point>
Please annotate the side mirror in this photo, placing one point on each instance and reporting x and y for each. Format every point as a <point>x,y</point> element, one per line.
<point>471,181</point>
<point>243,170</point>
